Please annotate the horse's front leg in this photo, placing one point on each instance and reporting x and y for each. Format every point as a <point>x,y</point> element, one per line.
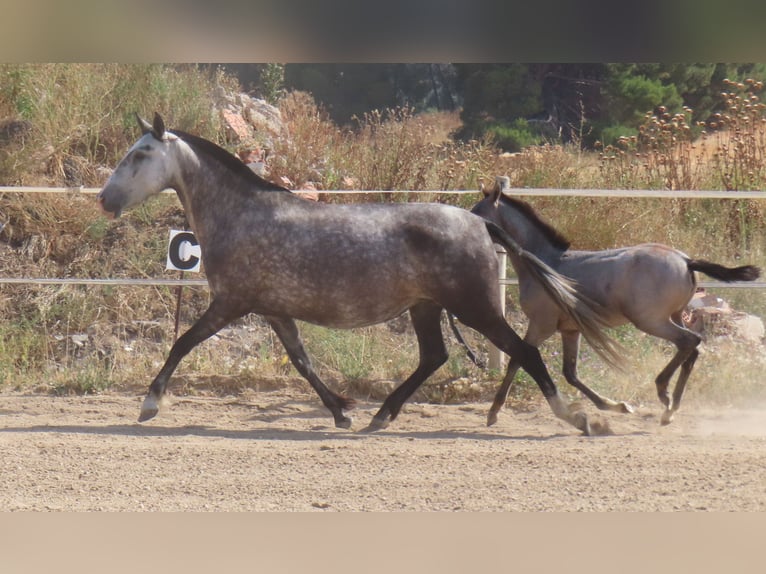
<point>213,320</point>
<point>570,343</point>
<point>426,320</point>
<point>502,393</point>
<point>287,331</point>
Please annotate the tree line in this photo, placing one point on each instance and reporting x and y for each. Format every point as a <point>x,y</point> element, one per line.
<point>518,104</point>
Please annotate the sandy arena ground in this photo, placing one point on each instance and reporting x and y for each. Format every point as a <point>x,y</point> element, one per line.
<point>278,450</point>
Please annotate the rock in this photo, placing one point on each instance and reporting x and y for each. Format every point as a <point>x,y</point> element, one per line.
<point>703,299</point>
<point>262,116</point>
<point>237,129</point>
<point>748,327</point>
<point>713,317</point>
<point>243,115</point>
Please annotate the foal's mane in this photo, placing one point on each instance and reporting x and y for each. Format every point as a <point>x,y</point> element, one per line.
<point>551,233</point>
<point>228,160</point>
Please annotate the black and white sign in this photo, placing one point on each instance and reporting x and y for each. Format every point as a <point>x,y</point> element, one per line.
<point>183,251</point>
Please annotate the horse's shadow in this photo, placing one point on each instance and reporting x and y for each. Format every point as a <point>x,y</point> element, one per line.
<point>310,435</point>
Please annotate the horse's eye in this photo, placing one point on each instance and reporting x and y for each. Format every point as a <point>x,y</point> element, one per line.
<point>140,156</point>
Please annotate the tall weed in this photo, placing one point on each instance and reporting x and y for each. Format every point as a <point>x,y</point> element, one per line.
<point>82,115</point>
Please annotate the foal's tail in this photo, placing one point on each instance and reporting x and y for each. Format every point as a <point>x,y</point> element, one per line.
<point>742,273</point>
<point>584,311</point>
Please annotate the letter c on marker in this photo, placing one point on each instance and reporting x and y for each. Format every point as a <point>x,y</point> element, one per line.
<point>174,251</point>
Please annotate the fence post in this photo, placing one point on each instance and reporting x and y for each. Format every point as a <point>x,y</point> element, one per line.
<point>496,356</point>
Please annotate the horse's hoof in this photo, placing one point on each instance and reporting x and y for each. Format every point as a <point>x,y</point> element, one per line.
<point>343,422</point>
<point>149,409</point>
<point>375,425</point>
<point>491,418</point>
<point>580,421</point>
<point>147,414</point>
<point>667,418</point>
<point>625,408</point>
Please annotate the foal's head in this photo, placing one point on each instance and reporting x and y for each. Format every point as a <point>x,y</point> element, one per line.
<point>509,213</point>
<point>146,169</point>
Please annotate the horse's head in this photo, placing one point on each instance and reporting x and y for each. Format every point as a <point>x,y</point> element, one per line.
<point>487,207</point>
<point>147,168</point>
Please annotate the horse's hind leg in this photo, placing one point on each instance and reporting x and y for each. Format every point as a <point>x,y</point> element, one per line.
<point>570,344</point>
<point>215,318</point>
<point>678,391</point>
<point>426,319</point>
<point>686,341</point>
<point>287,331</point>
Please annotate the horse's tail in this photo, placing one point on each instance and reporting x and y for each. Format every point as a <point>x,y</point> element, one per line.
<point>716,271</point>
<point>584,311</point>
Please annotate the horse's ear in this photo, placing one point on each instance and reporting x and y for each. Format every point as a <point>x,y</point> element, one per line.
<point>495,194</point>
<point>503,182</point>
<point>158,128</point>
<point>145,126</point>
<point>502,187</point>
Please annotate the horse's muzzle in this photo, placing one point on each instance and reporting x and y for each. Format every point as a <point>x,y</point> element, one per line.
<point>100,199</point>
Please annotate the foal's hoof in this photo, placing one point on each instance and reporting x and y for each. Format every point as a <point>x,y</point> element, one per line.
<point>375,425</point>
<point>580,421</point>
<point>667,417</point>
<point>491,418</point>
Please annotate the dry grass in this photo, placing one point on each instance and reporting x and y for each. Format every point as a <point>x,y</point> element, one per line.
<point>386,150</point>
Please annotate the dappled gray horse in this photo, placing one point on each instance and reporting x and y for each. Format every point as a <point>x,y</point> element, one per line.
<point>269,252</point>
<point>648,285</point>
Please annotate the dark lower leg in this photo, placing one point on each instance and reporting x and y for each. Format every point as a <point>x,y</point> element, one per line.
<point>426,319</point>
<point>212,321</point>
<point>531,361</point>
<point>678,391</point>
<point>287,331</point>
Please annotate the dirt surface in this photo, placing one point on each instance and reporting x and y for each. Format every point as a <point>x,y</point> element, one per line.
<point>278,451</point>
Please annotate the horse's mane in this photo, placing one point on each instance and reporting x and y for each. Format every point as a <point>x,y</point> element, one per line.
<point>551,233</point>
<point>229,160</point>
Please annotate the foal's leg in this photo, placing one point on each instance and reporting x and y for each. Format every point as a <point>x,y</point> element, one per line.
<point>686,341</point>
<point>689,339</point>
<point>502,393</point>
<point>491,323</point>
<point>537,332</point>
<point>426,319</point>
<point>678,391</point>
<point>287,331</point>
<point>217,316</point>
<point>570,343</point>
